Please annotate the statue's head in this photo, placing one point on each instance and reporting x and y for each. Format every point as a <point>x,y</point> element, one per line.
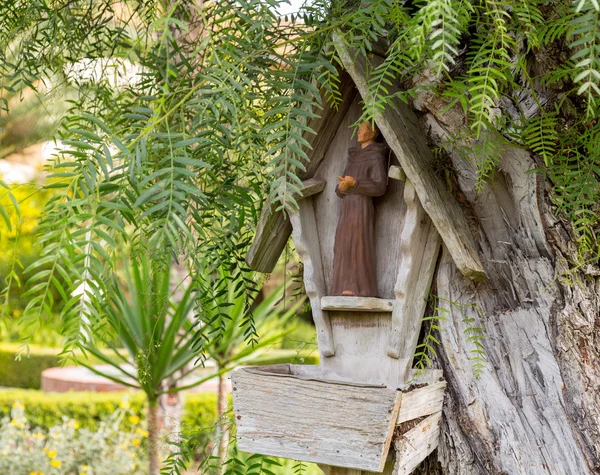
<point>367,132</point>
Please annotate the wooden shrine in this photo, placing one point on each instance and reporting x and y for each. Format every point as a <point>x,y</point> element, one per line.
<point>363,409</point>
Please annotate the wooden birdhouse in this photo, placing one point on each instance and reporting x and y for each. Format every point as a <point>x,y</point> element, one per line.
<point>363,408</point>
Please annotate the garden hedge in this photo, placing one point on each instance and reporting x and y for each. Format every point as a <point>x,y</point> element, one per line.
<point>45,410</point>
<point>26,372</point>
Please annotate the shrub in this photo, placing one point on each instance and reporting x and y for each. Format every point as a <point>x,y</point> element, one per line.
<point>68,448</point>
<point>45,410</point>
<point>26,372</point>
<point>199,412</point>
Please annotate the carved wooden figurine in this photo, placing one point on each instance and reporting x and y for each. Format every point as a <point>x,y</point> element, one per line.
<point>365,176</point>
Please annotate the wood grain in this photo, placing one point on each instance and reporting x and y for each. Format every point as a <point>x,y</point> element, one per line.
<point>420,245</point>
<point>396,173</point>
<point>400,127</point>
<point>422,402</point>
<point>416,444</point>
<point>357,304</point>
<point>306,241</point>
<point>335,424</point>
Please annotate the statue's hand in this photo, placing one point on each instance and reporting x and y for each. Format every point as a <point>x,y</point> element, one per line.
<point>346,182</point>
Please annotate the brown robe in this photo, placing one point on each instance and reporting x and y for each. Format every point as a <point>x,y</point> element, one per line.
<point>354,249</point>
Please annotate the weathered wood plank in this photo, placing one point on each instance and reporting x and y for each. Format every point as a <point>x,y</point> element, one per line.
<point>420,244</point>
<point>396,173</point>
<point>400,127</point>
<point>416,444</point>
<point>342,425</point>
<point>306,241</point>
<point>357,304</point>
<point>428,376</point>
<point>272,233</point>
<point>422,402</point>
<point>274,228</point>
<point>310,187</point>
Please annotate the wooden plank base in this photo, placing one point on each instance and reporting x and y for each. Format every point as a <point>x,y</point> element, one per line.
<point>299,412</point>
<point>334,423</point>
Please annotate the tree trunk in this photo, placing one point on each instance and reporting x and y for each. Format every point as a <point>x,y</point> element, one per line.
<point>223,435</point>
<point>153,427</point>
<point>535,409</point>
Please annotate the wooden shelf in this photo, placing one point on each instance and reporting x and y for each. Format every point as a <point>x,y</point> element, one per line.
<point>357,304</point>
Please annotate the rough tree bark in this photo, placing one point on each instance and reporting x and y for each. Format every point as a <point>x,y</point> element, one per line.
<point>536,407</point>
<point>153,428</point>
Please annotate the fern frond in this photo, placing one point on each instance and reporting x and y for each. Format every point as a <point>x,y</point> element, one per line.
<point>489,69</point>
<point>585,31</point>
<point>541,136</point>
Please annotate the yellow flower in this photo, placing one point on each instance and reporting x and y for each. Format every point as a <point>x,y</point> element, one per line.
<point>135,420</point>
<point>38,436</point>
<point>136,442</point>
<point>143,433</point>
<point>46,450</point>
<point>55,463</point>
<point>85,467</point>
<point>74,424</point>
<point>36,472</point>
<point>124,446</point>
<point>125,404</point>
<point>18,405</point>
<point>52,453</point>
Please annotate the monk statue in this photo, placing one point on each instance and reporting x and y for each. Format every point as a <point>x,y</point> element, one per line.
<point>365,176</point>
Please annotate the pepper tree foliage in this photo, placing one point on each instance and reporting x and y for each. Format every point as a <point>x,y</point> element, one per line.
<point>188,111</point>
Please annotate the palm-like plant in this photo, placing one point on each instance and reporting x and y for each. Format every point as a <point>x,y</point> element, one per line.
<point>155,333</point>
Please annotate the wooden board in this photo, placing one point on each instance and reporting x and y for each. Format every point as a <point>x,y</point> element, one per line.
<point>428,376</point>
<point>342,425</point>
<point>399,126</point>
<point>274,228</point>
<point>420,245</point>
<point>357,304</point>
<point>422,402</point>
<point>416,444</point>
<point>306,241</point>
<point>395,172</point>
